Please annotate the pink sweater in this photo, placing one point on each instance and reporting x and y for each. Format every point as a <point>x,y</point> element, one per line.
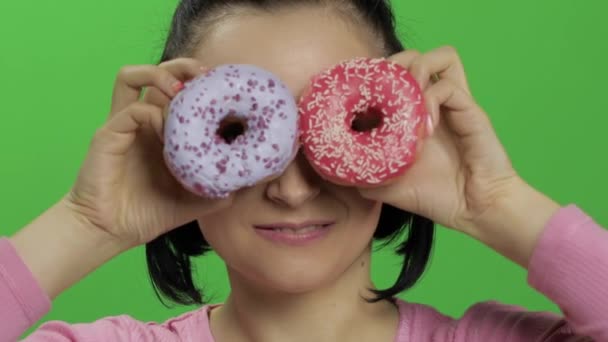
<point>569,266</point>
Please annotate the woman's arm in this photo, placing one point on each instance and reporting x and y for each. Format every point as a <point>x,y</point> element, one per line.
<point>514,224</point>
<point>568,264</point>
<point>51,254</point>
<point>564,250</point>
<point>47,256</point>
<point>124,196</point>
<point>464,180</point>
<point>59,248</point>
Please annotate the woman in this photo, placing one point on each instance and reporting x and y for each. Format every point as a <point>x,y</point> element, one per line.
<point>322,291</point>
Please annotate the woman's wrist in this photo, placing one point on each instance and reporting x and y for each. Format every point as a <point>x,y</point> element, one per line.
<point>60,248</point>
<point>514,224</point>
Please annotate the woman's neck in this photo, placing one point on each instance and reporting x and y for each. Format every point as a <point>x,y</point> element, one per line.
<point>335,312</point>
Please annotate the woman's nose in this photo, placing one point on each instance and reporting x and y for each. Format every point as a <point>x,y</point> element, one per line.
<point>297,185</point>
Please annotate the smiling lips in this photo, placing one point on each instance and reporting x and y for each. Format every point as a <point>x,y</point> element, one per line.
<point>295,227</point>
<point>294,234</point>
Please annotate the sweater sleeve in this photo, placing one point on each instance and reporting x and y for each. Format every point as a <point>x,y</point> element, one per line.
<point>570,266</point>
<point>191,326</point>
<point>23,302</point>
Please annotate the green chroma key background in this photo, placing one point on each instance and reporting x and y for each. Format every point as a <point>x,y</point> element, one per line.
<point>537,67</point>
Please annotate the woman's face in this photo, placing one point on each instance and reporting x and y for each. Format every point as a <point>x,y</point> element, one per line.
<point>294,44</point>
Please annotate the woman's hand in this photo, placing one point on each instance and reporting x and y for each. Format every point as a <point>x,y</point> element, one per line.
<point>124,195</point>
<point>124,187</point>
<point>462,172</point>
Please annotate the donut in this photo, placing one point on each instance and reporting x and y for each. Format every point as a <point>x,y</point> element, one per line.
<point>230,128</point>
<point>361,122</point>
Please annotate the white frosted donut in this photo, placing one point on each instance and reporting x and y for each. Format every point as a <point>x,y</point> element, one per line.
<point>229,129</point>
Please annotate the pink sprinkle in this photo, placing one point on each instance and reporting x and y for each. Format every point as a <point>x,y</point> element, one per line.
<point>221,168</point>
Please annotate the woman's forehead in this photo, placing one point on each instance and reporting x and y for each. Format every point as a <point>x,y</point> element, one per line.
<point>293,44</point>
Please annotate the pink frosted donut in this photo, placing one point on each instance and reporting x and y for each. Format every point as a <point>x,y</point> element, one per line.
<point>361,122</point>
<point>230,128</point>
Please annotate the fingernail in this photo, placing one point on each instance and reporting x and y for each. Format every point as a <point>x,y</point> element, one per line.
<point>430,126</point>
<point>177,86</point>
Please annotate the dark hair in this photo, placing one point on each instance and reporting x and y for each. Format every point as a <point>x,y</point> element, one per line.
<point>169,256</point>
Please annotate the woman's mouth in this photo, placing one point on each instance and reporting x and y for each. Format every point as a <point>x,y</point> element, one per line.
<point>294,234</point>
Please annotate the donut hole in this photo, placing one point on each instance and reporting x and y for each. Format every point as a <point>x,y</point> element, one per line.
<point>366,121</point>
<point>231,127</point>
